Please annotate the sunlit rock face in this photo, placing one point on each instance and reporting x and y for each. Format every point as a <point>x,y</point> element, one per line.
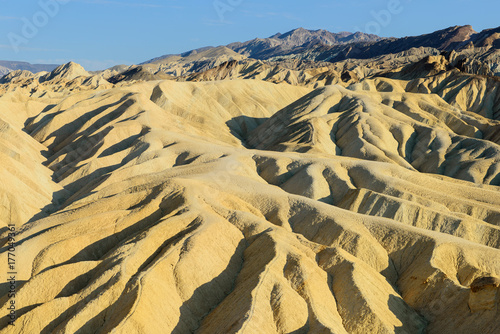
<point>484,294</point>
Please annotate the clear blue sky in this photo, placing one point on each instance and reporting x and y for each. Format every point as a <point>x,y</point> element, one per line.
<point>102,33</point>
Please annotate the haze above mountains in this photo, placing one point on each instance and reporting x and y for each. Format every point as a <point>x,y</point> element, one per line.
<point>309,182</point>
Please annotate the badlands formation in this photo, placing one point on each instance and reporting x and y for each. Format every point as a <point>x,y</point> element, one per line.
<point>252,196</point>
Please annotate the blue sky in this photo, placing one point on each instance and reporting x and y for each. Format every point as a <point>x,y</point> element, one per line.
<point>102,33</point>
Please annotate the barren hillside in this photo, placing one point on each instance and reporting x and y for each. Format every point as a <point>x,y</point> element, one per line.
<point>253,197</point>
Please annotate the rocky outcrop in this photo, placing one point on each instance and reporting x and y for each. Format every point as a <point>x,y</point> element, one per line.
<point>484,295</point>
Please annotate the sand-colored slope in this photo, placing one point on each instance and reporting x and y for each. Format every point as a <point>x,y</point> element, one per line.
<point>448,77</point>
<point>240,105</point>
<point>467,92</point>
<point>26,189</point>
<point>179,217</point>
<point>147,238</point>
<point>415,131</point>
<point>92,134</point>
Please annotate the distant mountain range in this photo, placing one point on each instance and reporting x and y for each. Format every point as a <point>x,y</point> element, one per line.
<point>8,66</point>
<point>322,45</point>
<point>279,44</point>
<point>480,51</point>
<point>451,39</point>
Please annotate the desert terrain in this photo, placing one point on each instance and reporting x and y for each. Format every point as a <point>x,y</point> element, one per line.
<point>258,189</point>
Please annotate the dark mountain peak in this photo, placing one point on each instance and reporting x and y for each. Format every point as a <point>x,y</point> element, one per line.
<point>277,35</point>
<point>296,33</point>
<point>301,36</point>
<point>487,38</point>
<point>299,30</point>
<point>302,32</point>
<point>454,35</point>
<point>464,31</point>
